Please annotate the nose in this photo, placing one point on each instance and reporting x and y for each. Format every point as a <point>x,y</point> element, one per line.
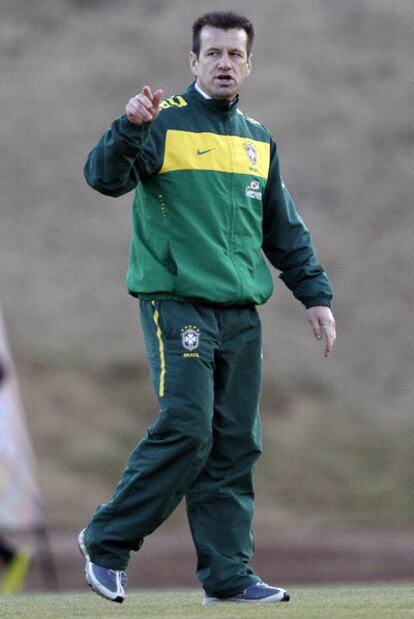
<point>224,62</point>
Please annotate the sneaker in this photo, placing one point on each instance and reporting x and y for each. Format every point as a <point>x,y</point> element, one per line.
<point>110,584</point>
<point>257,593</point>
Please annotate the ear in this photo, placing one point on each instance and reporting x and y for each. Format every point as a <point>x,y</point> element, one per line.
<point>249,64</point>
<point>193,63</point>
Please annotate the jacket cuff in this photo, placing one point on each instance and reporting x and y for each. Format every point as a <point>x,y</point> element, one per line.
<point>316,301</point>
<point>134,134</point>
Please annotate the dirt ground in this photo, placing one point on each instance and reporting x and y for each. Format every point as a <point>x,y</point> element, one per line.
<point>167,560</point>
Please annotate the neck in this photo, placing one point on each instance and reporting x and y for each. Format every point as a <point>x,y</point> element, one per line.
<point>201,91</point>
<point>206,96</point>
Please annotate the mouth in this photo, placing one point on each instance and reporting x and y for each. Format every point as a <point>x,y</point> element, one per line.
<point>225,80</point>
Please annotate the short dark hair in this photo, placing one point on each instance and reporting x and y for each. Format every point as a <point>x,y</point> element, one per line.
<point>225,20</point>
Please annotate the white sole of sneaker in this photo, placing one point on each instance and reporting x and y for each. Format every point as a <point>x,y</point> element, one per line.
<point>81,544</point>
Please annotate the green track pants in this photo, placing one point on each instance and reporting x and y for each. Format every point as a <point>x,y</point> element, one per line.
<point>206,368</point>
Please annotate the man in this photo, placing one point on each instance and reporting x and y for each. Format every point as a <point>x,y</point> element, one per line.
<point>208,199</point>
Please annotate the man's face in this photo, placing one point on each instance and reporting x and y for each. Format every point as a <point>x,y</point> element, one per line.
<point>223,63</point>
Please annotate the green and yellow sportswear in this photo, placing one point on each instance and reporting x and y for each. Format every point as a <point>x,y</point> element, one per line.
<point>209,202</point>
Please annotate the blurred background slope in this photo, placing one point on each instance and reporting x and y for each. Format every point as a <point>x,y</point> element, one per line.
<point>333,81</point>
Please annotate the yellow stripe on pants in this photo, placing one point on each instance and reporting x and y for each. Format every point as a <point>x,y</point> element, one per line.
<point>156,316</point>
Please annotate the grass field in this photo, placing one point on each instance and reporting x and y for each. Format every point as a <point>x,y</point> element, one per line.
<point>306,603</point>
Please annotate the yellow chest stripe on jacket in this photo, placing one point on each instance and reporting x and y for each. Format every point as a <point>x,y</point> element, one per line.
<point>185,150</point>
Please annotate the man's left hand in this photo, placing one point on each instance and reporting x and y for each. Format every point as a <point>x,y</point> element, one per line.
<point>323,323</point>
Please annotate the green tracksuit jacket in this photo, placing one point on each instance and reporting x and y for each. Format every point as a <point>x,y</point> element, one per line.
<point>209,201</point>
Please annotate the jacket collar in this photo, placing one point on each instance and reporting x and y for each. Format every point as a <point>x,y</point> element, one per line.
<point>219,106</point>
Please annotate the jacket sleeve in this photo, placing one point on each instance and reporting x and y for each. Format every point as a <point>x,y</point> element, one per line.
<point>120,159</point>
<point>288,245</point>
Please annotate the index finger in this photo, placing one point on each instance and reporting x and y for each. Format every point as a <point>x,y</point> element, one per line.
<point>330,335</point>
<point>147,92</point>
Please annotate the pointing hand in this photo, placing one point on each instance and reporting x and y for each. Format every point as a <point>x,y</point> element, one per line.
<point>144,106</point>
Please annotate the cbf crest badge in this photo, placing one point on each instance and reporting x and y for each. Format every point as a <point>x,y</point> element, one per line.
<point>190,338</point>
<point>251,152</point>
